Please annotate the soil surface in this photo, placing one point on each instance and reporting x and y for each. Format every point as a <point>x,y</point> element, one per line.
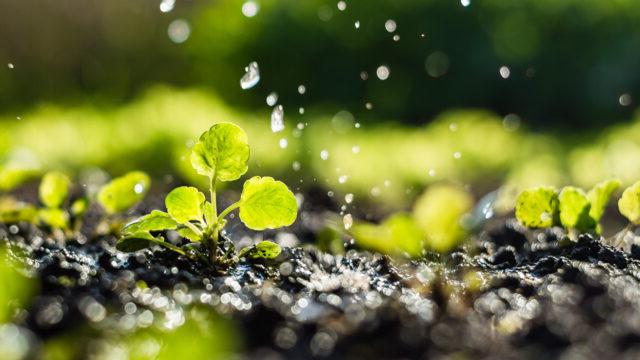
<point>509,293</point>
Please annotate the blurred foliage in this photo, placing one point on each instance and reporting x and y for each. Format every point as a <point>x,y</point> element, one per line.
<point>569,60</point>
<point>16,289</point>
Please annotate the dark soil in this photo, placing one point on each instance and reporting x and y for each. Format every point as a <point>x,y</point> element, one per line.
<point>510,293</point>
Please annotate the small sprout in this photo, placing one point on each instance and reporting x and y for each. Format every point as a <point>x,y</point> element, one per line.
<point>537,207</point>
<point>221,154</point>
<point>439,213</point>
<point>262,250</point>
<point>124,192</point>
<point>397,234</point>
<point>267,204</point>
<point>629,203</point>
<point>54,189</point>
<point>574,207</point>
<point>599,197</point>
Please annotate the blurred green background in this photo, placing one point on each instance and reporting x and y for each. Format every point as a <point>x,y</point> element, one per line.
<point>484,93</point>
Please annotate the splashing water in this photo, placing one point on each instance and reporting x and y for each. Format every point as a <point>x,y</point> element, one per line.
<point>277,119</point>
<point>167,5</point>
<point>272,98</point>
<point>251,76</point>
<point>348,198</point>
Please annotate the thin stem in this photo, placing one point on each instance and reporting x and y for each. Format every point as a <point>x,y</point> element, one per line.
<point>193,228</point>
<point>171,247</point>
<point>226,211</point>
<point>213,243</point>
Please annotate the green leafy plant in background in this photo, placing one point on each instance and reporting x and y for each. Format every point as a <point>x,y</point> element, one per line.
<point>572,208</point>
<point>436,224</point>
<point>221,154</point>
<point>53,193</point>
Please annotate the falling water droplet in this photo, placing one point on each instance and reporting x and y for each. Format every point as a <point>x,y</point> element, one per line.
<point>295,166</point>
<point>368,105</point>
<point>465,3</point>
<point>10,66</point>
<point>301,110</point>
<point>342,5</point>
<point>390,25</point>
<point>382,72</point>
<point>357,24</point>
<point>283,143</point>
<point>357,125</point>
<point>396,37</point>
<point>138,188</point>
<point>250,9</point>
<point>277,119</point>
<point>324,154</point>
<point>272,98</point>
<point>302,89</point>
<point>624,99</point>
<point>251,76</point>
<point>364,75</point>
<point>179,31</point>
<point>348,198</point>
<point>300,126</point>
<point>505,72</point>
<point>347,221</point>
<point>167,5</point>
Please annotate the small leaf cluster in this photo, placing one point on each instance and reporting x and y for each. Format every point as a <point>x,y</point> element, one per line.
<point>572,208</point>
<point>436,224</point>
<point>221,154</point>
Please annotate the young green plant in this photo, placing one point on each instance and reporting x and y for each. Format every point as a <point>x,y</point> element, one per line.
<point>575,210</point>
<point>221,154</point>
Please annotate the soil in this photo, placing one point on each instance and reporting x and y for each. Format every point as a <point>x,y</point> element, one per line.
<point>509,293</point>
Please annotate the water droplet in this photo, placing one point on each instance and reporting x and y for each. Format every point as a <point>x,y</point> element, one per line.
<point>250,8</point>
<point>457,155</point>
<point>251,76</point>
<point>277,119</point>
<point>511,122</point>
<point>283,143</point>
<point>295,166</point>
<point>272,98</point>
<point>423,35</point>
<point>375,191</point>
<point>453,127</point>
<point>437,64</point>
<point>343,179</point>
<point>10,65</point>
<point>505,72</point>
<point>368,105</point>
<point>324,154</point>
<point>330,193</point>
<point>432,172</point>
<point>347,220</point>
<point>465,3</point>
<point>625,99</point>
<point>348,198</point>
<point>396,37</point>
<point>167,5</point>
<point>387,183</point>
<point>355,149</point>
<point>357,24</point>
<point>357,125</point>
<point>302,89</point>
<point>179,31</point>
<point>300,126</point>
<point>382,72</point>
<point>301,110</point>
<point>364,75</point>
<point>342,5</point>
<point>138,188</point>
<point>390,25</point>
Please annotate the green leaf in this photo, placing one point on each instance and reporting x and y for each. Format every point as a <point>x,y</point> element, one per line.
<point>79,207</point>
<point>221,152</point>
<point>439,211</point>
<point>629,203</point>
<point>599,197</point>
<point>207,210</point>
<point>396,235</point>
<point>156,221</point>
<point>184,204</point>
<point>54,217</point>
<point>12,177</point>
<point>574,209</point>
<point>54,189</point>
<point>537,207</point>
<point>12,211</point>
<point>137,241</point>
<point>267,204</point>
<point>262,250</point>
<point>185,232</point>
<point>123,192</point>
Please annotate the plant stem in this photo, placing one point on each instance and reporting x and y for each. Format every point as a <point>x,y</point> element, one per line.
<point>226,211</point>
<point>171,247</point>
<point>193,228</point>
<point>213,243</point>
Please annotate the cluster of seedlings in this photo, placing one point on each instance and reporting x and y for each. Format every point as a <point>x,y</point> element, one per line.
<point>222,155</point>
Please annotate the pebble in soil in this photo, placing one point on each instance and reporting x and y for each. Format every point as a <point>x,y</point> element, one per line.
<point>511,294</point>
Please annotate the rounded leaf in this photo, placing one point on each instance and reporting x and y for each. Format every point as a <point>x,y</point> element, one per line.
<point>184,204</point>
<point>221,152</point>
<point>54,217</point>
<point>262,250</point>
<point>574,209</point>
<point>54,189</point>
<point>599,197</point>
<point>137,241</point>
<point>156,221</point>
<point>629,203</point>
<point>123,192</point>
<point>397,234</point>
<point>266,203</point>
<point>537,207</point>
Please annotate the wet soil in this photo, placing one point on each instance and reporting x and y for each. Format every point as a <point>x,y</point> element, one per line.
<point>508,293</point>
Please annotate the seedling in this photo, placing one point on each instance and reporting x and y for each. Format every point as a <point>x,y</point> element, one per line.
<point>221,154</point>
<point>572,208</point>
<point>54,191</point>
